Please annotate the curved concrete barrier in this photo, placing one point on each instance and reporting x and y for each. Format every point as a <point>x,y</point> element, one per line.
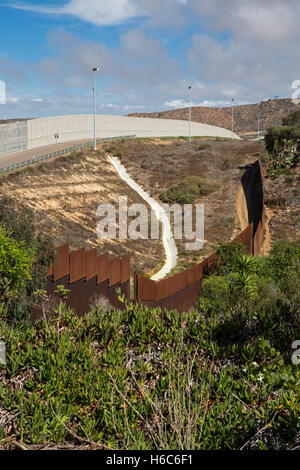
<point>58,129</point>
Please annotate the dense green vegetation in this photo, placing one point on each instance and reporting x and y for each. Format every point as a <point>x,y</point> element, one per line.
<point>188,190</point>
<point>217,377</point>
<point>15,264</point>
<point>24,258</point>
<point>282,145</point>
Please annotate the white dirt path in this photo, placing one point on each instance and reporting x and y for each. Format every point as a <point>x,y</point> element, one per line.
<point>167,236</point>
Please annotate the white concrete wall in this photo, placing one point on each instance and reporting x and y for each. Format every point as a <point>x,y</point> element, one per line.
<point>78,127</point>
<point>13,137</point>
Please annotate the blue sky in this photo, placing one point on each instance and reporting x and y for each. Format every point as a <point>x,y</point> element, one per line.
<point>148,52</point>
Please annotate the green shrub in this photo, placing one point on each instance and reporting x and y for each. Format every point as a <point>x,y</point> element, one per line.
<point>204,147</point>
<point>19,221</point>
<point>190,189</point>
<point>215,293</point>
<point>288,180</point>
<point>292,119</point>
<point>283,261</point>
<point>228,257</point>
<point>15,265</point>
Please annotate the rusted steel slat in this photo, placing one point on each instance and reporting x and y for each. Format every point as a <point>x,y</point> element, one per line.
<point>61,264</point>
<point>135,287</point>
<point>180,301</point>
<point>125,268</point>
<point>125,290</point>
<point>50,270</point>
<point>102,268</point>
<point>113,296</point>
<point>77,297</point>
<point>162,289</point>
<point>77,265</point>
<point>171,285</point>
<point>258,238</point>
<point>146,288</point>
<point>208,262</point>
<point>90,264</point>
<point>114,270</point>
<point>245,234</point>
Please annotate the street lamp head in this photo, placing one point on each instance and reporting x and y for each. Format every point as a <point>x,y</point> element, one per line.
<point>95,69</point>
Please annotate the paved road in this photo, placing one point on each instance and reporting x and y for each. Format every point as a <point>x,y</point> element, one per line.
<point>18,157</point>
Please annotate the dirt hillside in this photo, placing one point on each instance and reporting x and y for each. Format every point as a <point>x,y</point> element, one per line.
<point>64,194</point>
<point>245,117</point>
<point>160,164</point>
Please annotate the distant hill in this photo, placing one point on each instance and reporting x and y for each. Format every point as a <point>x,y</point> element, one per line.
<point>9,121</point>
<point>245,117</point>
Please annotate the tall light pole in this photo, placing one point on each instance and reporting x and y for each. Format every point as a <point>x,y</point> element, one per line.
<point>258,118</point>
<point>189,88</point>
<point>95,69</point>
<point>232,118</point>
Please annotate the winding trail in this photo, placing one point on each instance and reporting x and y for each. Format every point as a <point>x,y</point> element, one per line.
<point>167,235</point>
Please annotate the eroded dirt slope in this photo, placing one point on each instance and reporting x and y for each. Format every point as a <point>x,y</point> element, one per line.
<point>65,193</point>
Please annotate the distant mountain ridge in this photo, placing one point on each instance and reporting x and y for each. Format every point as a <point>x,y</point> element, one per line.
<point>11,121</point>
<point>245,116</point>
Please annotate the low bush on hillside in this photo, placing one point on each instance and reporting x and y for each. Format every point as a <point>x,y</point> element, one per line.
<point>282,145</point>
<point>188,190</point>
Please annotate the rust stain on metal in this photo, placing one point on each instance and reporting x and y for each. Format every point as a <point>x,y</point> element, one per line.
<point>91,264</point>
<point>102,268</point>
<point>125,268</point>
<point>114,271</point>
<point>77,265</point>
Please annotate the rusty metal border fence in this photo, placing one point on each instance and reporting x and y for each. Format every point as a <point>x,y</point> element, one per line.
<point>259,233</point>
<point>89,275</point>
<point>181,291</point>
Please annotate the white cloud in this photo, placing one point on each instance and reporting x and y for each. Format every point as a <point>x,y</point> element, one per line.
<point>13,99</point>
<point>267,22</point>
<point>94,11</point>
<point>250,51</point>
<point>179,103</point>
<point>103,12</point>
<point>260,20</point>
